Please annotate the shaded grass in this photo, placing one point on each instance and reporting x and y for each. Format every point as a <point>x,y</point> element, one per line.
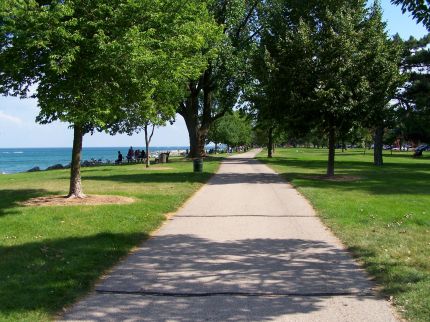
<point>50,256</point>
<point>384,217</point>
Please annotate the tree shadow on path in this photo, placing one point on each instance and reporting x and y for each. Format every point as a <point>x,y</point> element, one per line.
<point>185,278</point>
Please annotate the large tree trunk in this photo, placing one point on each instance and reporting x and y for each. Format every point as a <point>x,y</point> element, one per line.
<point>270,143</point>
<point>197,140</point>
<point>190,112</point>
<point>378,146</point>
<point>75,190</point>
<point>331,151</point>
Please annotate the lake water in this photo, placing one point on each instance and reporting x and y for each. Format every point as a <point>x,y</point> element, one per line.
<point>14,160</point>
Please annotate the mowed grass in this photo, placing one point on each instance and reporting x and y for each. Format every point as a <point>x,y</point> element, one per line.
<point>51,256</point>
<point>384,217</point>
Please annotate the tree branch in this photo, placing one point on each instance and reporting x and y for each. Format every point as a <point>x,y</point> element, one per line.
<point>152,132</point>
<point>245,21</point>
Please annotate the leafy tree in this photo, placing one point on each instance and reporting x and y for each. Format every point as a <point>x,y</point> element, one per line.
<point>318,81</point>
<point>91,59</point>
<point>420,9</point>
<point>381,66</point>
<point>218,88</point>
<point>413,109</point>
<point>341,85</point>
<point>232,130</point>
<point>258,98</point>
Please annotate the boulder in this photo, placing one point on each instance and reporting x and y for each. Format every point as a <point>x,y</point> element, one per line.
<point>55,167</point>
<point>86,163</point>
<point>35,169</point>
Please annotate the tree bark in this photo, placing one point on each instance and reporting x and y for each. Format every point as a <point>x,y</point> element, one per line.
<point>378,146</point>
<point>197,134</point>
<point>270,143</point>
<point>189,110</point>
<point>75,190</point>
<point>197,141</point>
<point>148,139</point>
<point>331,151</point>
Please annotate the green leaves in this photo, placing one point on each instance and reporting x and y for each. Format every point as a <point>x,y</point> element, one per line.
<point>420,9</point>
<point>93,60</point>
<point>323,66</point>
<point>413,109</point>
<point>232,129</point>
<point>381,59</point>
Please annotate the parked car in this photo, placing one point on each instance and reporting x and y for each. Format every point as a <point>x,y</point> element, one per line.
<point>420,149</point>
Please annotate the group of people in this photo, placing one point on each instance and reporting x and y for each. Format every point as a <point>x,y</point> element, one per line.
<point>132,156</point>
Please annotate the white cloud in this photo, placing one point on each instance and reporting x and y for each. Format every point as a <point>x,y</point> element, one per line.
<point>10,118</point>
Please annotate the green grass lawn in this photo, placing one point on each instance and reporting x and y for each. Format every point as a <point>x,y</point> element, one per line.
<point>51,256</point>
<point>384,217</point>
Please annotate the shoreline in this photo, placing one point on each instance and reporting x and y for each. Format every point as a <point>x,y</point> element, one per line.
<point>23,160</point>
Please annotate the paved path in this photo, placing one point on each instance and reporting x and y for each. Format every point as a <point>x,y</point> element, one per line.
<point>246,247</point>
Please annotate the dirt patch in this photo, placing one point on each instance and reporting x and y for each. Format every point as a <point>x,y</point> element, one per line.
<point>91,200</point>
<point>335,178</point>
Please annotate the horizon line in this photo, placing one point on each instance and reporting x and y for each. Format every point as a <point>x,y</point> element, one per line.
<point>70,147</point>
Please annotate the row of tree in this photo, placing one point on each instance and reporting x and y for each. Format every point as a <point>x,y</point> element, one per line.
<point>120,66</point>
<point>406,118</point>
<point>328,67</point>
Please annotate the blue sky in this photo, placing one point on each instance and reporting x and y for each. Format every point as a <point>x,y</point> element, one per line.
<point>18,128</point>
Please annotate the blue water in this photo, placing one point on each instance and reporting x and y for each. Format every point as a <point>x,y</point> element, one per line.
<point>20,160</point>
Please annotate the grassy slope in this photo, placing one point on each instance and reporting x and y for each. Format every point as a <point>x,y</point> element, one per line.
<point>49,256</point>
<point>384,218</point>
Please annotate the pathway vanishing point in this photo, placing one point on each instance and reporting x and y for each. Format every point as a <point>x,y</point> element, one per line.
<point>246,247</point>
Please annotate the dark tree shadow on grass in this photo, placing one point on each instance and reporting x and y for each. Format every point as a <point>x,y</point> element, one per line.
<point>397,277</point>
<point>10,198</point>
<point>153,177</point>
<point>50,274</point>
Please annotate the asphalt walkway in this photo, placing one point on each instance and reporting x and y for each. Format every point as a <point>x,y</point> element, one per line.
<point>246,247</point>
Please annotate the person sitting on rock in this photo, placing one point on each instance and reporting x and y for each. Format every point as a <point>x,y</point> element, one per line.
<point>119,160</point>
<point>130,154</point>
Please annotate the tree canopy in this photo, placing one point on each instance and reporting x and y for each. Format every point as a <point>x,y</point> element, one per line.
<point>231,129</point>
<point>413,109</point>
<point>217,90</point>
<point>93,60</point>
<point>324,67</point>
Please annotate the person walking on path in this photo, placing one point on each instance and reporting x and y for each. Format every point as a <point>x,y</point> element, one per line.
<point>247,246</point>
